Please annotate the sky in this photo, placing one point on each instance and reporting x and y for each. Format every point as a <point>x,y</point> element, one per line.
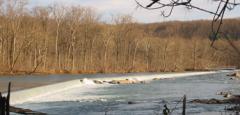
<point>108,8</point>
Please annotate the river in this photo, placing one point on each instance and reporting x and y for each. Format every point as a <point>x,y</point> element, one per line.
<point>146,99</point>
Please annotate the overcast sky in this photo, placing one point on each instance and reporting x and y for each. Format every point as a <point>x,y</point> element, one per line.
<point>108,8</point>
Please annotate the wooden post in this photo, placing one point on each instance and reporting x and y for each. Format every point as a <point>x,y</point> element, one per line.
<point>184,105</point>
<point>8,99</point>
<point>1,105</point>
<point>4,102</point>
<point>4,105</point>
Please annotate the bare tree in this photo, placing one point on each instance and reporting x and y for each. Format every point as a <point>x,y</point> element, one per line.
<point>89,20</point>
<point>43,14</point>
<point>58,14</point>
<point>135,53</point>
<point>108,36</point>
<point>15,13</point>
<point>74,17</point>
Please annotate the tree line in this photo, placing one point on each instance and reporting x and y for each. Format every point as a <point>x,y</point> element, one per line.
<point>59,39</point>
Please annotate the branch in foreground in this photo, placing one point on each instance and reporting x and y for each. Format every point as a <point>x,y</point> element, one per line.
<point>218,14</point>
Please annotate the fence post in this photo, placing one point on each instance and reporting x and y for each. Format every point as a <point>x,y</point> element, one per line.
<point>184,105</point>
<point>4,102</point>
<point>8,99</point>
<point>1,105</point>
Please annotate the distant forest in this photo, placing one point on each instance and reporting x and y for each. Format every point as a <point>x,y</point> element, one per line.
<point>74,40</point>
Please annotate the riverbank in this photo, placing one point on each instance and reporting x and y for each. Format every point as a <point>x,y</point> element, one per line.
<point>77,72</point>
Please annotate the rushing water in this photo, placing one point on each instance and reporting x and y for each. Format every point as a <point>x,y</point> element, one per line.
<point>148,99</point>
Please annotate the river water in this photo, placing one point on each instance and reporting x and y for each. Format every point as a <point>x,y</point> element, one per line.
<point>146,99</point>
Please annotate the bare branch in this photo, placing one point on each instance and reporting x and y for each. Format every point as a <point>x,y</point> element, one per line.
<point>218,15</point>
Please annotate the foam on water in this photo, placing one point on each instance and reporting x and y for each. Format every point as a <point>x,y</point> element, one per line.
<point>55,92</point>
<point>76,90</point>
<point>159,76</point>
<point>88,82</point>
<point>74,94</point>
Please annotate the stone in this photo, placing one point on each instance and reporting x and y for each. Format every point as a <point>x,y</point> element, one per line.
<point>121,82</point>
<point>143,82</point>
<point>113,82</point>
<point>131,102</point>
<point>223,93</point>
<point>97,82</point>
<point>208,101</point>
<point>125,81</point>
<point>156,79</point>
<point>236,74</point>
<point>234,108</point>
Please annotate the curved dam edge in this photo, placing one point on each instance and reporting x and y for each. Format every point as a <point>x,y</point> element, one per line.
<point>22,96</point>
<point>159,76</point>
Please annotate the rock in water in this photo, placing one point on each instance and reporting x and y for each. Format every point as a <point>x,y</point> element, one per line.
<point>209,101</point>
<point>113,82</point>
<point>234,108</point>
<point>97,82</point>
<point>236,74</point>
<point>125,81</point>
<point>223,93</point>
<point>131,102</point>
<point>121,82</point>
<point>156,79</point>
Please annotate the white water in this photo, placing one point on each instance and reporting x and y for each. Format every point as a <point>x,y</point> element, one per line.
<point>88,82</point>
<point>73,90</point>
<point>29,94</point>
<point>159,76</point>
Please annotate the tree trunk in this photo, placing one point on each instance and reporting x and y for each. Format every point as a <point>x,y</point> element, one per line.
<point>105,54</point>
<point>85,49</point>
<point>194,54</point>
<point>91,52</point>
<point>134,55</point>
<point>57,58</point>
<point>165,56</point>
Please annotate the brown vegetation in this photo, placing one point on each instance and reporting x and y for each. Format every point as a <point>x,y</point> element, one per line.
<point>65,40</point>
